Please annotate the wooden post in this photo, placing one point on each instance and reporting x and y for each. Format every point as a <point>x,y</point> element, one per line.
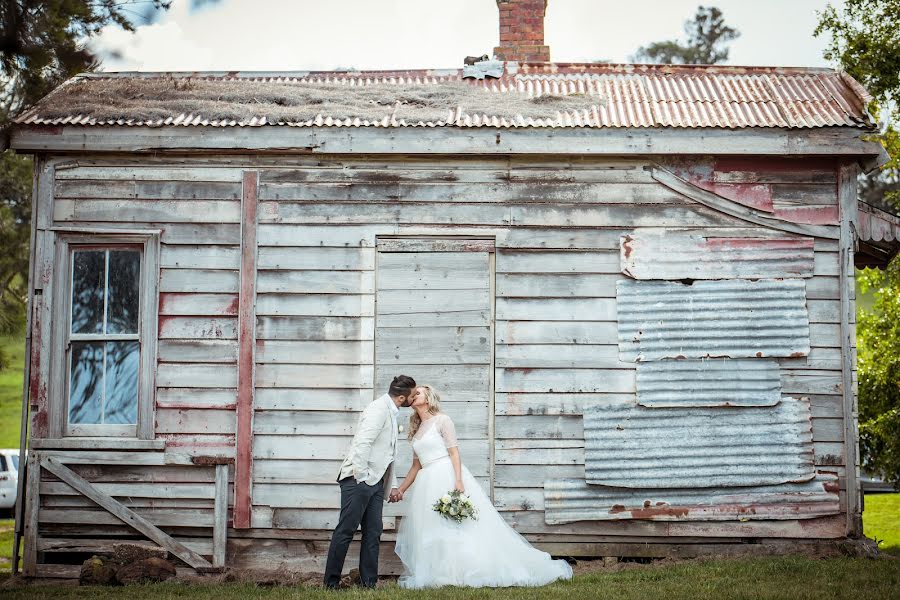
<point>121,512</point>
<point>220,521</point>
<point>243,468</point>
<point>847,174</point>
<point>32,507</point>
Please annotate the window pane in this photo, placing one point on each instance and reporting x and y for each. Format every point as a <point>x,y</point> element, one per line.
<point>3,463</point>
<point>85,383</point>
<point>124,283</point>
<point>88,276</point>
<point>15,462</point>
<point>122,361</point>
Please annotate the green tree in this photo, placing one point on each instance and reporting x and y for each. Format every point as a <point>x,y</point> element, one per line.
<point>706,44</point>
<point>865,42</point>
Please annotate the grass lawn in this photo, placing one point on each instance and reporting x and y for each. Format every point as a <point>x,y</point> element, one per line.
<point>789,578</point>
<point>881,520</point>
<point>11,391</point>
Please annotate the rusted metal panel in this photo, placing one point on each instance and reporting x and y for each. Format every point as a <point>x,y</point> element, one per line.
<point>687,96</point>
<point>732,318</point>
<point>633,446</point>
<point>710,382</point>
<point>570,500</point>
<point>672,256</point>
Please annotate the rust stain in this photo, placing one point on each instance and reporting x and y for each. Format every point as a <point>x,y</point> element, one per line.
<point>626,246</point>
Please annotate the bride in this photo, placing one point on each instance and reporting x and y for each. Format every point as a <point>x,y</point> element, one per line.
<point>436,551</point>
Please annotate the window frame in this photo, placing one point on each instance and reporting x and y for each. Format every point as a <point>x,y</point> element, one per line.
<point>147,242</point>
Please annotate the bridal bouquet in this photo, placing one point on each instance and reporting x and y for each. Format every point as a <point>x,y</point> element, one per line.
<point>457,506</point>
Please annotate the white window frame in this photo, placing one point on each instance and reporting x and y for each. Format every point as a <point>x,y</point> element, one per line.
<point>67,239</point>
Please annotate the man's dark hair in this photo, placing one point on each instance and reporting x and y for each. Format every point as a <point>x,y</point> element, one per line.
<point>402,385</point>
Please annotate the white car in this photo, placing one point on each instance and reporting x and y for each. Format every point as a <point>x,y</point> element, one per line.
<point>9,477</point>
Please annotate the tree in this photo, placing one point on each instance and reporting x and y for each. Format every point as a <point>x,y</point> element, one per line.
<point>707,39</point>
<point>865,42</point>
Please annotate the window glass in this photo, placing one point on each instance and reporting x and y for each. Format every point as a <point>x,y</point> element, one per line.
<point>88,283</point>
<point>3,467</point>
<point>121,385</point>
<point>15,461</point>
<point>86,383</point>
<point>123,298</point>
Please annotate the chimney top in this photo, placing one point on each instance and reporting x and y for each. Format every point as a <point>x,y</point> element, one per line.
<point>522,31</point>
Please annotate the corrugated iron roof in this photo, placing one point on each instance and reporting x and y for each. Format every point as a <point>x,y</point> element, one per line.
<point>608,95</point>
<point>675,256</point>
<point>570,500</point>
<point>711,382</point>
<point>632,446</point>
<point>729,318</point>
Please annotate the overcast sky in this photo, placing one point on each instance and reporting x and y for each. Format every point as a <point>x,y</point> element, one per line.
<point>286,35</point>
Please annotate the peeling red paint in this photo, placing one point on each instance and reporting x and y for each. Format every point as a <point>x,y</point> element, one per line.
<point>775,165</point>
<point>812,215</point>
<point>754,195</point>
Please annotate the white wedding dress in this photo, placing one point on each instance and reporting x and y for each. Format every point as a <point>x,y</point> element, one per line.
<point>437,551</point>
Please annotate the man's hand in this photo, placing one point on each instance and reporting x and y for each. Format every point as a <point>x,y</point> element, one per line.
<point>395,496</point>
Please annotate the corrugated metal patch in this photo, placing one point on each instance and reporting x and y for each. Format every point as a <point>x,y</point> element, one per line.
<point>570,500</point>
<point>732,318</point>
<point>687,96</point>
<point>710,382</point>
<point>672,256</point>
<point>633,446</point>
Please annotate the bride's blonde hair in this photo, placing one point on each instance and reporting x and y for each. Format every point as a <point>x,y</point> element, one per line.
<point>433,400</point>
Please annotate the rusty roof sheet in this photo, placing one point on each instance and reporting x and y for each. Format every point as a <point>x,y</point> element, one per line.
<point>633,446</point>
<point>729,318</point>
<point>694,96</point>
<point>570,500</point>
<point>710,382</point>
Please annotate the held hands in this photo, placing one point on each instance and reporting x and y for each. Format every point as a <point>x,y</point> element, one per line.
<point>395,496</point>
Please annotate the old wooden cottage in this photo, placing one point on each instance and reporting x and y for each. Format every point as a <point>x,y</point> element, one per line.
<point>633,285</point>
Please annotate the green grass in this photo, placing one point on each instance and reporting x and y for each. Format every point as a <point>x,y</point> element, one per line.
<point>11,391</point>
<point>881,520</point>
<point>789,578</point>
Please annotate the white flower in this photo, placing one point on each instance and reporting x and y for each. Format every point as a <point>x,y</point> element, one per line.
<point>399,428</point>
<point>445,498</point>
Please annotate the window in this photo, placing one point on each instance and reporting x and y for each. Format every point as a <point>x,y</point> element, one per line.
<point>15,462</point>
<point>106,326</point>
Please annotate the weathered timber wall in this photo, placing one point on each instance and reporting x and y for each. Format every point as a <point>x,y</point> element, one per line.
<point>558,226</point>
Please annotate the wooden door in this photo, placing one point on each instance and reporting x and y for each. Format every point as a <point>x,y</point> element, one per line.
<point>434,321</point>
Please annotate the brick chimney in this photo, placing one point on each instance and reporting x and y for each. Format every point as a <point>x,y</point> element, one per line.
<point>522,31</point>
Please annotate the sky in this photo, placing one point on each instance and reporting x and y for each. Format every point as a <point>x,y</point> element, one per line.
<point>299,35</point>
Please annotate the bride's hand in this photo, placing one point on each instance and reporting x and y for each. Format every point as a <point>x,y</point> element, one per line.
<point>460,487</point>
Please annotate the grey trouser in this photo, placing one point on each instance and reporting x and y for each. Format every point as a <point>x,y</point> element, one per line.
<point>361,504</point>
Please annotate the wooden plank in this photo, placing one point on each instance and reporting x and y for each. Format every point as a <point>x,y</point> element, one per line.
<point>566,356</point>
<point>444,244</point>
<point>556,286</point>
<point>828,429</point>
<point>109,457</point>
<point>553,404</point>
<point>316,282</point>
<point>312,376</point>
<point>220,516</point>
<point>823,288</point>
<point>566,141</point>
<point>31,519</point>
<point>330,399</point>
<point>533,476</point>
<point>201,445</point>
<point>558,427</point>
<point>196,375</point>
<point>433,345</point>
<point>450,380</point>
<point>154,517</point>
<point>805,382</point>
<point>388,212</point>
<point>317,519</point>
<point>556,332</point>
<point>330,236</point>
<point>110,443</point>
<point>198,280</point>
<point>192,189</point>
<point>565,380</point>
<point>430,301</point>
<point>141,211</point>
<point>195,420</point>
<point>200,233</point>
<point>315,305</point>
<point>433,271</point>
<point>556,309</point>
<point>214,305</point>
<point>203,351</point>
<point>315,328</point>
<point>467,318</point>
<point>316,258</point>
<point>116,172</point>
<point>199,257</point>
<point>124,514</point>
<point>296,471</point>
<point>133,490</point>
<point>185,397</point>
<point>543,261</point>
<point>315,352</point>
<point>246,372</point>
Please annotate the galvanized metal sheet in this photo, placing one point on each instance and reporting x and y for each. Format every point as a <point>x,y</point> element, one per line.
<point>733,318</point>
<point>570,500</point>
<point>710,382</point>
<point>686,96</point>
<point>672,256</point>
<point>633,446</point>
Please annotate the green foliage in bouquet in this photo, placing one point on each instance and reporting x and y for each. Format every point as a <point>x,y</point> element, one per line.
<point>455,505</point>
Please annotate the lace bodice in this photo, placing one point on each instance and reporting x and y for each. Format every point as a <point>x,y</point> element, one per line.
<point>433,438</point>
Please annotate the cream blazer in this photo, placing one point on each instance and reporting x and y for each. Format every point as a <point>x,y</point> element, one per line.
<point>374,447</point>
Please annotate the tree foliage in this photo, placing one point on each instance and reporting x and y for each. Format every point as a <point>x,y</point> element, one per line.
<point>706,44</point>
<point>865,42</point>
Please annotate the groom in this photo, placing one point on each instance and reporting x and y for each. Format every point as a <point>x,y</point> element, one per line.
<point>366,474</point>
